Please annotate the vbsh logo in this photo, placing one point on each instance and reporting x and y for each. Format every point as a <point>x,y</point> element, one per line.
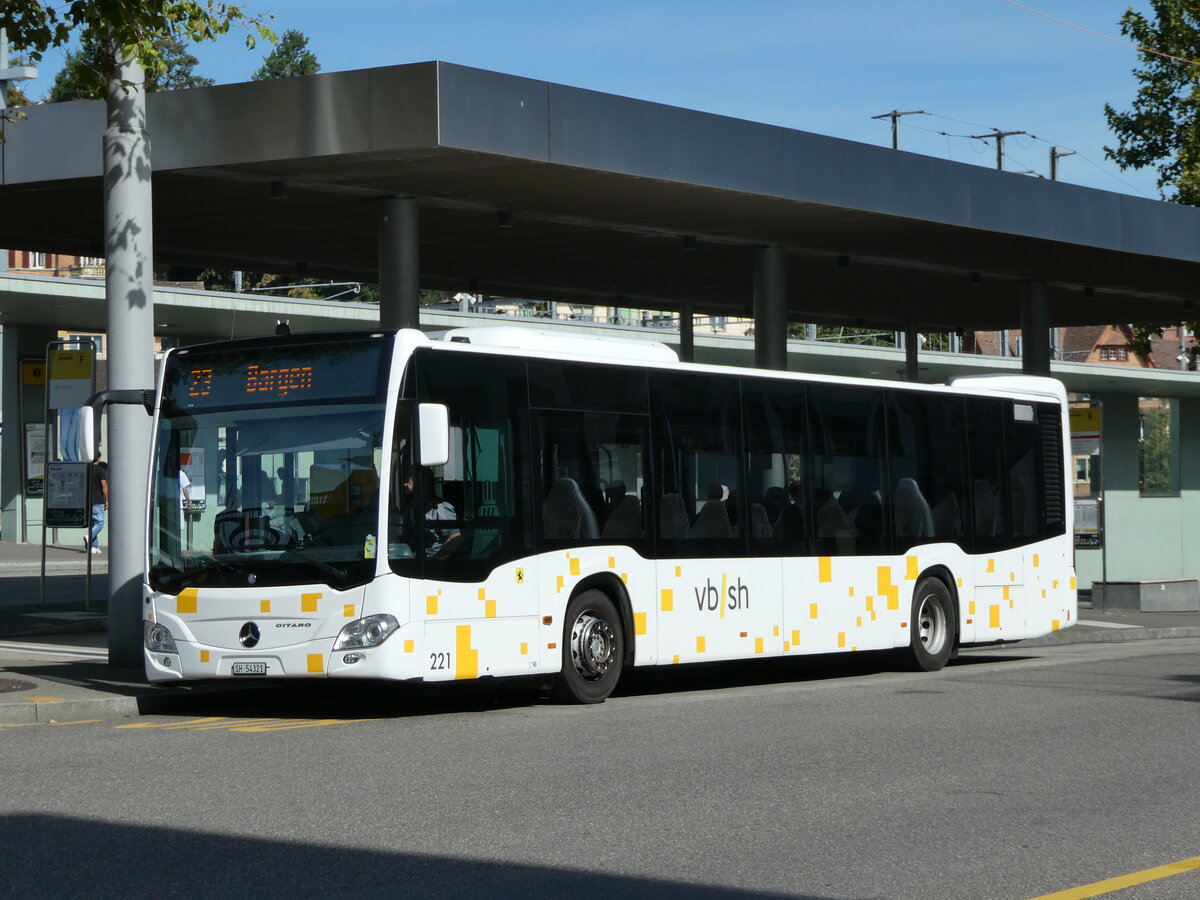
<point>728,596</point>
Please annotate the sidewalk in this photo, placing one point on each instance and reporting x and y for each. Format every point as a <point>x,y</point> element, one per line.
<point>54,655</point>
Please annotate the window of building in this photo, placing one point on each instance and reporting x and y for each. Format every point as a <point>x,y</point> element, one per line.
<point>1158,446</point>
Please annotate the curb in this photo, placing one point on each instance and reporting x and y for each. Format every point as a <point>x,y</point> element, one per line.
<point>49,711</point>
<point>1084,635</point>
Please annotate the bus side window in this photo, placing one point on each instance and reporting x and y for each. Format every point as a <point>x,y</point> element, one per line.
<point>699,465</point>
<point>848,461</point>
<point>776,436</point>
<point>989,473</point>
<point>927,464</point>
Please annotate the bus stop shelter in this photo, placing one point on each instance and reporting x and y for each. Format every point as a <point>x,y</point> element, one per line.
<point>435,175</point>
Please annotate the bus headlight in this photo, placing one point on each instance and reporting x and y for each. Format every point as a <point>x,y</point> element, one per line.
<point>159,638</point>
<point>369,632</point>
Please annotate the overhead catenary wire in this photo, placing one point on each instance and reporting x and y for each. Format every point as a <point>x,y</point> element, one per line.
<point>976,142</point>
<point>1099,34</point>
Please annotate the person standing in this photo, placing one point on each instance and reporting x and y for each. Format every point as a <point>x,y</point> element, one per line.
<point>99,475</point>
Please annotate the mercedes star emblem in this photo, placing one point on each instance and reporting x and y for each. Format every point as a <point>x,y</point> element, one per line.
<point>249,635</point>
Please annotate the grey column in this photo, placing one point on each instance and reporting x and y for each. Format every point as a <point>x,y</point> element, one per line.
<point>129,289</point>
<point>912,346</point>
<point>1035,328</point>
<point>399,264</point>
<point>770,308</point>
<point>687,333</point>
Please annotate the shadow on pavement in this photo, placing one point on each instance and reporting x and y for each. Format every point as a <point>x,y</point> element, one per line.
<point>52,856</point>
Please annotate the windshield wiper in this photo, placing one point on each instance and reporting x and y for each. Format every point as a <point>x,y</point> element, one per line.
<point>177,578</point>
<point>319,564</point>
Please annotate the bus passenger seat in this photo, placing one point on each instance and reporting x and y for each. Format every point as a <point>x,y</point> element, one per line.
<point>712,521</point>
<point>672,517</point>
<point>566,515</point>
<point>985,508</point>
<point>913,516</point>
<point>625,521</point>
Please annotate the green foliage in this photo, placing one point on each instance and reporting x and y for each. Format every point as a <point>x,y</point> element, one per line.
<point>291,57</point>
<point>81,76</point>
<point>1154,452</point>
<point>135,28</point>
<point>1162,129</point>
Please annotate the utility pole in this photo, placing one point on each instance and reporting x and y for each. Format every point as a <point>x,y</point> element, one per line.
<point>1055,156</point>
<point>895,115</point>
<point>999,137</point>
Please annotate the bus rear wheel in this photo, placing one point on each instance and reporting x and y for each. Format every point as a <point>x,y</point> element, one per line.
<point>931,638</point>
<point>593,649</point>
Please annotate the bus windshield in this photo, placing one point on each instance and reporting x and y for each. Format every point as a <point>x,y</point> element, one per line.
<point>266,467</point>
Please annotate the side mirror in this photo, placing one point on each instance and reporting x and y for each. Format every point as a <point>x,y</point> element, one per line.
<point>434,424</point>
<point>85,437</point>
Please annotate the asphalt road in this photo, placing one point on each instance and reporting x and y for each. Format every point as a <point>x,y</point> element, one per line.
<point>1008,775</point>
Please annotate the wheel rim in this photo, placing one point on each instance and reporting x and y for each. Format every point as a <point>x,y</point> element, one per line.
<point>932,625</point>
<point>593,646</point>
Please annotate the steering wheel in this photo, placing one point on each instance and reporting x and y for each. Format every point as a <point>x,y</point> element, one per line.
<point>253,538</point>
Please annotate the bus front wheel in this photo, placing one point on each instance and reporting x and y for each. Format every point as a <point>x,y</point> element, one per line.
<point>593,649</point>
<point>931,626</point>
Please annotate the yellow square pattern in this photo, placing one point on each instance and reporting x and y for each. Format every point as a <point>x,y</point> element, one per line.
<point>308,602</point>
<point>185,603</point>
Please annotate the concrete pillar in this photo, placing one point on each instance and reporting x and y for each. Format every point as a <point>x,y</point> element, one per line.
<point>687,333</point>
<point>399,264</point>
<point>129,290</point>
<point>1035,328</point>
<point>912,346</point>
<point>770,308</point>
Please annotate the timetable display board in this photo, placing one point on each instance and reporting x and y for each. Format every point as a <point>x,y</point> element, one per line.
<point>269,375</point>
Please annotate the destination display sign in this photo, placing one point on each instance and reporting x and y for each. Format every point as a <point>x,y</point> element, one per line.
<point>288,373</point>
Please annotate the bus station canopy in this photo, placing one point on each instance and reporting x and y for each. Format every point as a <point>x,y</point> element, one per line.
<point>541,191</point>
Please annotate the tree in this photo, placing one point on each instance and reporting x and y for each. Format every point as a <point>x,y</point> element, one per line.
<point>81,77</point>
<point>289,58</point>
<point>1162,129</point>
<point>127,29</point>
<point>131,34</point>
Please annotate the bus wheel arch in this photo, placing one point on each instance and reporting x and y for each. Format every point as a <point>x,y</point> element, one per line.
<point>611,585</point>
<point>593,648</point>
<point>933,622</point>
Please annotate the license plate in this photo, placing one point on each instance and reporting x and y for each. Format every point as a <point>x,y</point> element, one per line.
<point>249,668</point>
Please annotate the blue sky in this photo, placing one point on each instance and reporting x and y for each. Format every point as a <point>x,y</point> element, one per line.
<point>819,65</point>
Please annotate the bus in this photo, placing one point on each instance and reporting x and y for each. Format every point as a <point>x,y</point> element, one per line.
<point>501,502</point>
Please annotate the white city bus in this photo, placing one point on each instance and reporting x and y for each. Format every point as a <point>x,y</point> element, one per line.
<point>578,506</point>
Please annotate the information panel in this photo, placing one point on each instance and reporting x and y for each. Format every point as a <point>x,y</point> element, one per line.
<point>350,368</point>
<point>66,495</point>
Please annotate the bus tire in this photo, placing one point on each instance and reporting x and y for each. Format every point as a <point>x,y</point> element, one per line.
<point>932,625</point>
<point>593,649</point>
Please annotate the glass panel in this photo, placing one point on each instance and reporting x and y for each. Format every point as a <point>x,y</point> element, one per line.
<point>271,486</point>
<point>1158,447</point>
<point>700,468</point>
<point>776,435</point>
<point>555,385</point>
<point>848,459</point>
<point>294,503</point>
<point>472,509</point>
<point>927,437</point>
<point>989,474</point>
<point>592,468</point>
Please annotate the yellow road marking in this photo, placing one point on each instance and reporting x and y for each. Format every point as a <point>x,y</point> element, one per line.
<point>1123,881</point>
<point>227,723</point>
